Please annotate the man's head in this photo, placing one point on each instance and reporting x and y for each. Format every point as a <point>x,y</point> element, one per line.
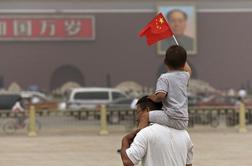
<point>145,104</point>
<point>177,19</point>
<point>175,57</point>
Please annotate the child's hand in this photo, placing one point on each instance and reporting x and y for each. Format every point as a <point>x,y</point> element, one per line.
<point>152,97</point>
<point>188,69</point>
<point>157,98</point>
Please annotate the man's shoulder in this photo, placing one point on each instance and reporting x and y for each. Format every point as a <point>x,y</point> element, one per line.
<point>157,130</point>
<point>146,134</point>
<point>156,127</point>
<point>149,129</point>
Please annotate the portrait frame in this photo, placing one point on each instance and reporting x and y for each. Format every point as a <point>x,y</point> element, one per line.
<point>189,39</point>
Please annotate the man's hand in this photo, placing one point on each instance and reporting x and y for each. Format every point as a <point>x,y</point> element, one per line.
<point>126,141</point>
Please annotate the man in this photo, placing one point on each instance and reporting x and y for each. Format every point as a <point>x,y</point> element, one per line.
<point>20,110</point>
<point>156,145</point>
<point>178,22</point>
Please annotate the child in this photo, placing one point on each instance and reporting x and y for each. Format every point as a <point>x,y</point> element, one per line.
<point>171,90</point>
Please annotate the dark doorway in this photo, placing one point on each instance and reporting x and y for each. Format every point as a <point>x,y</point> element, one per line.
<point>1,82</point>
<point>65,74</point>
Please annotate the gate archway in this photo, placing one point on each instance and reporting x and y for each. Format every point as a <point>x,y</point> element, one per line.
<point>65,74</point>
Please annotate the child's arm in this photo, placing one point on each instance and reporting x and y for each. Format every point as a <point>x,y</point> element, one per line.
<point>158,97</point>
<point>188,69</point>
<point>144,118</point>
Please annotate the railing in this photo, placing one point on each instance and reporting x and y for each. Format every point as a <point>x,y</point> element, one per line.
<point>105,120</point>
<point>213,116</point>
<point>218,116</point>
<point>70,121</point>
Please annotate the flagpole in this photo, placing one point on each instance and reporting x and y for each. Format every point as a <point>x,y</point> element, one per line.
<point>175,39</point>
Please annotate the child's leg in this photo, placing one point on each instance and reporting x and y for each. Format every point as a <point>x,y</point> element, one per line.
<point>158,116</point>
<point>153,116</point>
<point>143,120</point>
<point>162,118</point>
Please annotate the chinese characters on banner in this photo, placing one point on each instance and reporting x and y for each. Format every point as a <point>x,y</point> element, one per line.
<point>51,27</point>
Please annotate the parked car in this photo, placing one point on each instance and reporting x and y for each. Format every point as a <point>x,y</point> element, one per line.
<point>33,96</point>
<point>219,101</point>
<point>123,103</point>
<point>120,108</point>
<point>41,101</point>
<point>212,117</point>
<point>8,100</point>
<point>90,98</point>
<point>193,100</point>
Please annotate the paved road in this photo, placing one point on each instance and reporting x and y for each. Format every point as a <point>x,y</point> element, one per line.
<point>211,148</point>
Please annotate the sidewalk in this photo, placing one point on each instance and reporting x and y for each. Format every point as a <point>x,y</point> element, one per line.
<point>220,149</point>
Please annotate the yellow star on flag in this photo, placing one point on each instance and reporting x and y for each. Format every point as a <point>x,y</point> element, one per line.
<point>161,20</point>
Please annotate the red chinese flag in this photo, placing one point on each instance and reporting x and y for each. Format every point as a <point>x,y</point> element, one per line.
<point>156,30</point>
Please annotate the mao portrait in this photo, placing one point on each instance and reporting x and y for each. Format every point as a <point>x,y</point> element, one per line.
<point>182,20</point>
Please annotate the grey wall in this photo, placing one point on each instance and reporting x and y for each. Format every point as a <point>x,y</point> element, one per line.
<point>225,43</point>
<point>224,53</point>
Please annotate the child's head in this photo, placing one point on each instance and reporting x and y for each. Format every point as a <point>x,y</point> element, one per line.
<point>175,57</point>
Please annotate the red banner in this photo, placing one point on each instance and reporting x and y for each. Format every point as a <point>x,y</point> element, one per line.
<point>51,27</point>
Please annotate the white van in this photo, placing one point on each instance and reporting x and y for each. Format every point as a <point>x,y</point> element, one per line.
<point>91,97</point>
